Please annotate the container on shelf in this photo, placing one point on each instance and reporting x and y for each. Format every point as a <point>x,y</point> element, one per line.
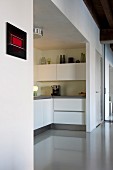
<point>49,61</point>
<point>77,61</point>
<point>43,60</point>
<point>83,58</point>
<point>61,59</point>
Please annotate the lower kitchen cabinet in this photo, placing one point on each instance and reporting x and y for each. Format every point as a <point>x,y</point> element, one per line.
<point>43,112</point>
<point>77,118</point>
<point>69,111</point>
<point>47,111</point>
<point>72,104</point>
<point>59,111</point>
<point>38,114</point>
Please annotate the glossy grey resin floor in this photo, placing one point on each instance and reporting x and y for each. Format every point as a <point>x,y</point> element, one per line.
<point>69,150</point>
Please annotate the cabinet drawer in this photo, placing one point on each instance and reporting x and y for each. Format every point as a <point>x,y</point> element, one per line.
<point>69,118</point>
<point>69,104</point>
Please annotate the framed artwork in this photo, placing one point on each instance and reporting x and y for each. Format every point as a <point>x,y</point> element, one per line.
<point>16,41</point>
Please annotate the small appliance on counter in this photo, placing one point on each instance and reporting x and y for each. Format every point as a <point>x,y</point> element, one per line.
<point>55,90</point>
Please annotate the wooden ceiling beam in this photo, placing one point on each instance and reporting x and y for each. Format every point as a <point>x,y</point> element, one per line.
<point>106,36</point>
<point>108,12</point>
<point>92,11</point>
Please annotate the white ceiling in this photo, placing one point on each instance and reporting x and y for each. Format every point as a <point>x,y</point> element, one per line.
<point>58,31</point>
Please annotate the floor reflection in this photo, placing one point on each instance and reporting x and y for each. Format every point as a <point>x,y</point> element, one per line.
<point>70,150</point>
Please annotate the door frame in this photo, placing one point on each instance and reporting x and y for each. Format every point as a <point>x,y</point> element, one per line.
<point>102,86</point>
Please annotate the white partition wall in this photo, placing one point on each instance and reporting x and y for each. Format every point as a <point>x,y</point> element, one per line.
<point>108,62</point>
<point>16,82</point>
<point>80,17</point>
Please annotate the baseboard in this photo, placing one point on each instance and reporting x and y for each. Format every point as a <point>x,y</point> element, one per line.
<point>41,130</point>
<point>69,127</point>
<point>60,127</point>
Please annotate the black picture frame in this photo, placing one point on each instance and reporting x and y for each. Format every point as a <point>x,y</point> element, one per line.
<point>16,42</point>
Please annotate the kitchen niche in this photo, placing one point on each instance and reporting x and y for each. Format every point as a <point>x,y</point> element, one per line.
<point>54,55</point>
<point>68,88</point>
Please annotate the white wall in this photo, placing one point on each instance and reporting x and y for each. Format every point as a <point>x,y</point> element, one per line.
<point>111,83</point>
<point>90,88</point>
<point>109,54</point>
<point>108,62</point>
<point>16,108</point>
<point>79,16</point>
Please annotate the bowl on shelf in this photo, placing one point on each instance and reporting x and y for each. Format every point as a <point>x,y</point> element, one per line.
<point>82,94</point>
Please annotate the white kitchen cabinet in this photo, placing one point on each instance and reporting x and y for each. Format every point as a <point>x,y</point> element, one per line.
<point>69,104</point>
<point>53,72</point>
<point>74,117</point>
<point>66,72</point>
<point>43,112</point>
<point>69,111</point>
<point>74,71</point>
<point>80,71</point>
<point>46,72</point>
<point>60,111</point>
<point>47,111</point>
<point>38,114</point>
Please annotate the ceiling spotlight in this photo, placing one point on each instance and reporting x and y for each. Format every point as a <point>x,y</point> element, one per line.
<point>38,32</point>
